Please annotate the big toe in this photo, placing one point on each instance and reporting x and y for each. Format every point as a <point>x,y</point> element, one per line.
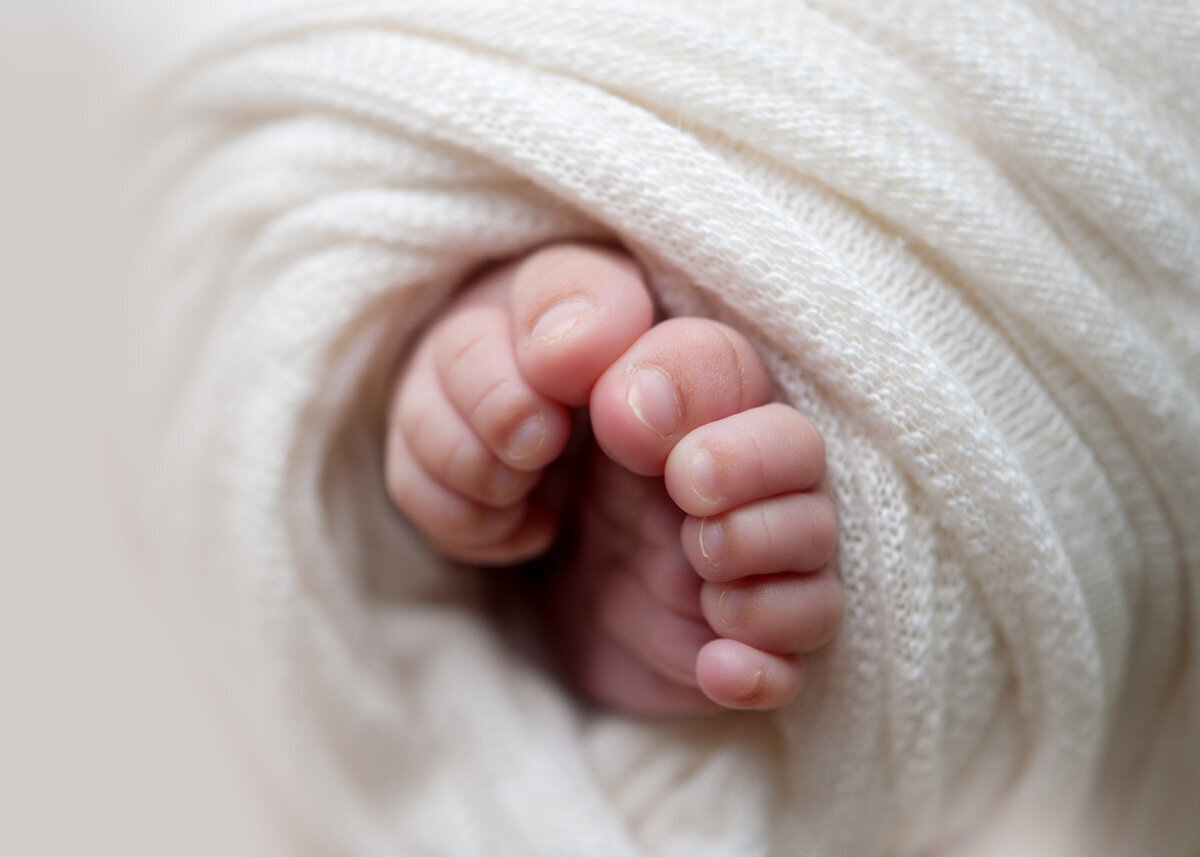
<point>681,374</point>
<point>576,309</point>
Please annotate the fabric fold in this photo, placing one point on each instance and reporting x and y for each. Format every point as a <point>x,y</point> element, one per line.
<point>965,241</point>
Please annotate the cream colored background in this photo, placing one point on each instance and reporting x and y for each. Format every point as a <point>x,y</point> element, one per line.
<point>106,747</point>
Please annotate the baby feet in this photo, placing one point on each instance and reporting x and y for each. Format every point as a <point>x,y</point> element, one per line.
<point>693,568</point>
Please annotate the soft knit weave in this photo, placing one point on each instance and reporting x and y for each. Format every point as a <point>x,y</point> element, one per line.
<point>965,238</point>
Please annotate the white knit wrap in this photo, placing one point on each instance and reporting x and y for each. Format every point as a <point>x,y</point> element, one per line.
<point>965,238</point>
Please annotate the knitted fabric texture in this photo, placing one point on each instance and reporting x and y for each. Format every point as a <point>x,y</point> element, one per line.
<point>965,239</point>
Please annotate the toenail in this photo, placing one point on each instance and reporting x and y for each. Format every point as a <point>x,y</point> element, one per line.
<point>527,438</point>
<point>712,541</point>
<point>702,471</point>
<point>751,688</point>
<point>561,318</point>
<point>652,398</point>
<point>730,606</point>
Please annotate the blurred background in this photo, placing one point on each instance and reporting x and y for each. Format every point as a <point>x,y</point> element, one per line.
<point>107,745</point>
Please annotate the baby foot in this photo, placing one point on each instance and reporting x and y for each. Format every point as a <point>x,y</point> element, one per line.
<point>724,613</point>
<point>482,404</point>
<point>700,569</point>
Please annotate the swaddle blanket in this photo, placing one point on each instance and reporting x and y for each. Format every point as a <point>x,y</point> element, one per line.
<point>965,239</point>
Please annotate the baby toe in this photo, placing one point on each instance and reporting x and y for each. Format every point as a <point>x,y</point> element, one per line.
<point>448,449</point>
<point>680,375</point>
<point>792,532</point>
<point>479,375</point>
<point>757,453</point>
<point>735,675</point>
<point>461,528</point>
<point>576,308</point>
<point>780,613</point>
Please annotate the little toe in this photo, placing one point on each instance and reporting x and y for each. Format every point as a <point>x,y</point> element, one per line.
<point>780,613</point>
<point>735,675</point>
<point>761,452</point>
<point>576,308</point>
<point>477,369</point>
<point>680,375</point>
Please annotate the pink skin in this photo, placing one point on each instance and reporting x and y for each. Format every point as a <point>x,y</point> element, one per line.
<point>700,568</point>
